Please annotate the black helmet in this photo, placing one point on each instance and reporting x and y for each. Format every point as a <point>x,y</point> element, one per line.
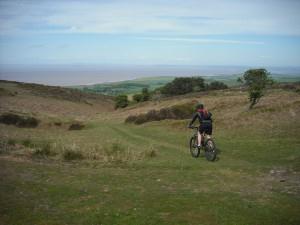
<point>199,106</point>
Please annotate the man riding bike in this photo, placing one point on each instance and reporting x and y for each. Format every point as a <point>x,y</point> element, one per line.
<point>205,121</point>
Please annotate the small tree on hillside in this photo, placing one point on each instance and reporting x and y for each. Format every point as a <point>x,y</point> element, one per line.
<point>121,101</point>
<point>138,97</point>
<point>217,85</point>
<point>256,81</point>
<point>145,94</point>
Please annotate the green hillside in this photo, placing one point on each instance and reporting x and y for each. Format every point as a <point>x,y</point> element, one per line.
<point>110,172</point>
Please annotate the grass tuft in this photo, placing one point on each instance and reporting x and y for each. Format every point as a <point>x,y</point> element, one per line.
<point>72,153</point>
<point>44,150</point>
<point>76,126</point>
<point>28,143</point>
<point>11,142</point>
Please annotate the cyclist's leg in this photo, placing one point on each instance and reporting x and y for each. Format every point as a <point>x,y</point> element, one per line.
<point>199,139</point>
<point>200,131</point>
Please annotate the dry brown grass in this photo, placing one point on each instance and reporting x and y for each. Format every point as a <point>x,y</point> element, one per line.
<point>230,108</point>
<point>46,101</point>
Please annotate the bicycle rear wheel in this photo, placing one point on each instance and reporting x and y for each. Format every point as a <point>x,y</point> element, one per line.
<point>210,150</point>
<point>195,152</point>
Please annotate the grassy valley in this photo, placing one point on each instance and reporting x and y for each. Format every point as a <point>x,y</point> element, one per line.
<point>111,172</point>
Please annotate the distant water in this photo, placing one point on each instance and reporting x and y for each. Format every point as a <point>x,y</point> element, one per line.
<point>65,75</point>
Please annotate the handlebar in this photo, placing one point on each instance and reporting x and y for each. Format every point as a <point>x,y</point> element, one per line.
<point>193,127</point>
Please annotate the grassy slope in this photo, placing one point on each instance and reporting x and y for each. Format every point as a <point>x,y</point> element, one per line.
<point>255,180</point>
<point>47,101</point>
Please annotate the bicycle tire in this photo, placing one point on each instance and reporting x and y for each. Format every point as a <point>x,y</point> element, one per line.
<point>195,152</point>
<point>210,150</point>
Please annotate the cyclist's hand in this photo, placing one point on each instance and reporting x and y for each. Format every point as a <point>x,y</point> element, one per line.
<point>189,126</point>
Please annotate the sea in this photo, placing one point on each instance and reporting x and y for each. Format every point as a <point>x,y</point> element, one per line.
<point>70,75</point>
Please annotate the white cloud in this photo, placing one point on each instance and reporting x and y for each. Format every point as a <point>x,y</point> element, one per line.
<point>203,40</point>
<point>189,17</point>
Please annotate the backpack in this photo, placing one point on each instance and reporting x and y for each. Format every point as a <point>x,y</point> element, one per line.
<point>206,114</point>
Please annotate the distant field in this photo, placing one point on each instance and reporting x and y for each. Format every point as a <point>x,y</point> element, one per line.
<point>129,174</point>
<point>135,86</point>
<point>127,87</point>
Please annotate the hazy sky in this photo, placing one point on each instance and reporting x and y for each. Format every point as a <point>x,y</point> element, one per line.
<point>187,32</point>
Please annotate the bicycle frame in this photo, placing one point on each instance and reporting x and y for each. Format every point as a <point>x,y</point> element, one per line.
<point>203,135</point>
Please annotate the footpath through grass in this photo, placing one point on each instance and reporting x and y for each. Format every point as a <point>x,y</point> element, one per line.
<point>255,180</point>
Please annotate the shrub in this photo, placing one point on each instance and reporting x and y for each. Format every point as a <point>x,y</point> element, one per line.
<point>145,94</point>
<point>19,121</point>
<point>151,153</point>
<point>11,141</point>
<point>138,97</point>
<point>76,126</point>
<point>130,119</point>
<point>182,111</point>
<point>217,85</point>
<point>121,101</point>
<point>44,150</point>
<point>72,154</point>
<point>58,123</point>
<point>142,118</point>
<point>28,143</point>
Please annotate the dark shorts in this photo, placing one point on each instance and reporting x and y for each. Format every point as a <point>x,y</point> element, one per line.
<point>206,127</point>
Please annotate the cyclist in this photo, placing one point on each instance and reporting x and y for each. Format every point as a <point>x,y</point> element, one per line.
<point>205,121</point>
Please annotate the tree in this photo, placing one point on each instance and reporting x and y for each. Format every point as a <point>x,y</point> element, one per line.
<point>256,81</point>
<point>138,97</point>
<point>145,94</point>
<point>121,101</point>
<point>183,85</point>
<point>217,85</point>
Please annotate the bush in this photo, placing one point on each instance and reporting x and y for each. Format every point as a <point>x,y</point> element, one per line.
<point>11,141</point>
<point>138,97</point>
<point>182,111</point>
<point>121,101</point>
<point>130,119</point>
<point>44,150</point>
<point>76,126</point>
<point>183,85</point>
<point>58,124</point>
<point>28,143</point>
<point>145,94</point>
<point>19,121</point>
<point>142,118</point>
<point>72,154</point>
<point>217,85</point>
<point>151,153</point>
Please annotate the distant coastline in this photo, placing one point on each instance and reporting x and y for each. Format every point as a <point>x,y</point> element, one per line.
<point>68,75</point>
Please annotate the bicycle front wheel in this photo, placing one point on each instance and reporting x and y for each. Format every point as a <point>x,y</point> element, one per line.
<point>195,152</point>
<point>210,150</point>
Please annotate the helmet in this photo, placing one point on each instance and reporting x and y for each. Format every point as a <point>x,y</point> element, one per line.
<point>199,106</point>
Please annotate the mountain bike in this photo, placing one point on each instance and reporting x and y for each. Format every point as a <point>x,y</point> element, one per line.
<point>207,143</point>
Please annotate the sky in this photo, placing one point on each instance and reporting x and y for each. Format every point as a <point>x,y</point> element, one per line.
<point>150,32</point>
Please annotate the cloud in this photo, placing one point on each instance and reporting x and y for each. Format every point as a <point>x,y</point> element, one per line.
<point>203,40</point>
<point>173,17</point>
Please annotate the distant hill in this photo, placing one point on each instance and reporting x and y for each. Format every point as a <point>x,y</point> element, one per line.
<point>136,85</point>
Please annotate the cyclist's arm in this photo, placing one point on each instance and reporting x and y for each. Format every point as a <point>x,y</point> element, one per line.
<point>194,118</point>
